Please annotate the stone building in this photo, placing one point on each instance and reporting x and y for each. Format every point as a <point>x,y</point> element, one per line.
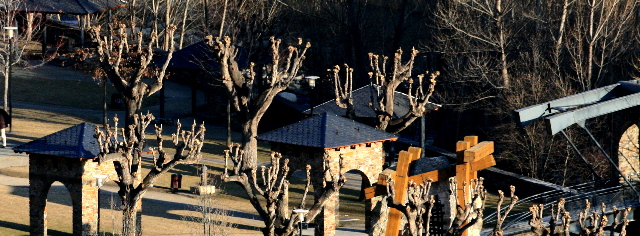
<point>310,141</point>
<point>68,157</point>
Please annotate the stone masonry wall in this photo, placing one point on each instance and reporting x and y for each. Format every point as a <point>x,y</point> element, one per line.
<point>628,157</point>
<point>366,159</point>
<point>77,176</point>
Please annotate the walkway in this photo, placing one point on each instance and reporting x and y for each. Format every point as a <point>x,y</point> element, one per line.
<point>176,97</point>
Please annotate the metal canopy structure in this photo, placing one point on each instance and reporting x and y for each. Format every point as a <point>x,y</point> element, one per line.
<point>576,109</point>
<point>71,7</point>
<point>564,112</point>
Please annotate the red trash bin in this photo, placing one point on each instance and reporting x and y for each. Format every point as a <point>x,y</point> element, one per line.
<point>176,181</point>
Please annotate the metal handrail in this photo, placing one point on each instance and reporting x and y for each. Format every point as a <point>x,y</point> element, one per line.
<point>576,199</point>
<point>578,188</point>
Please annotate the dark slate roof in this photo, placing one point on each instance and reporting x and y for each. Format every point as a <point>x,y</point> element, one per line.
<point>72,7</point>
<point>361,101</point>
<point>326,131</point>
<point>74,142</point>
<point>198,56</point>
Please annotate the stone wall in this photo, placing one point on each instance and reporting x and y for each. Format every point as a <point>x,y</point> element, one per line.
<point>628,158</point>
<point>77,176</point>
<point>365,158</point>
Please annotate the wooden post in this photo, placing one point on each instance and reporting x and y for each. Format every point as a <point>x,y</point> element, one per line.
<point>401,183</point>
<point>471,158</point>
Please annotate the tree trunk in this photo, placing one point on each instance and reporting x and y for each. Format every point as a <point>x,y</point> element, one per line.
<point>132,107</point>
<point>30,18</point>
<point>250,148</point>
<point>167,17</point>
<point>270,226</point>
<point>129,216</point>
<point>506,81</point>
<point>413,227</point>
<point>184,21</point>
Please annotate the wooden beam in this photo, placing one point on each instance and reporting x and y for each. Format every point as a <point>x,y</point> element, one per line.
<point>374,191</point>
<point>481,150</point>
<point>386,174</point>
<point>436,175</point>
<point>402,169</point>
<point>381,187</point>
<point>473,140</point>
<point>462,176</point>
<point>415,154</point>
<point>460,147</point>
<point>400,188</point>
<point>483,163</point>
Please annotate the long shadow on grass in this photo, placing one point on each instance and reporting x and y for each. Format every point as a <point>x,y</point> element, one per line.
<point>163,209</point>
<point>154,207</point>
<point>25,228</point>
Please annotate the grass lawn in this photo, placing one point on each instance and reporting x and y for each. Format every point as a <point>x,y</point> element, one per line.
<point>32,124</point>
<point>81,94</point>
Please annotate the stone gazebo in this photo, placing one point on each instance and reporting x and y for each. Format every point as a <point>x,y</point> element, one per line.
<point>311,140</point>
<point>69,157</point>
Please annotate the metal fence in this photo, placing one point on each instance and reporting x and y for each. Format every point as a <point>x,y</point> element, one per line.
<point>609,191</point>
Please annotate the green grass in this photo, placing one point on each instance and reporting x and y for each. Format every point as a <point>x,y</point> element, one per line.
<point>89,95</point>
<point>80,94</point>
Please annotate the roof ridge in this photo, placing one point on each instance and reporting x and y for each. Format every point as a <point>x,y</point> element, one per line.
<point>323,129</point>
<point>81,133</point>
<point>81,4</point>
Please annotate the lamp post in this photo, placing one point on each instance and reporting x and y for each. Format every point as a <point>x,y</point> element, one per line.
<point>10,30</point>
<point>300,213</point>
<point>100,180</point>
<point>311,80</point>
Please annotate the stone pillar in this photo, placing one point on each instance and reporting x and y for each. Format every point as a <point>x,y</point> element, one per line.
<point>87,207</point>
<point>38,189</point>
<point>379,216</point>
<point>328,218</point>
<point>368,213</point>
<point>628,156</point>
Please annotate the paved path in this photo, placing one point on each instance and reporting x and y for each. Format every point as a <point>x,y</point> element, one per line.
<point>176,97</point>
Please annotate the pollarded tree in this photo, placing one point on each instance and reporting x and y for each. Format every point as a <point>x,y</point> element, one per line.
<point>385,84</point>
<point>591,224</point>
<point>389,82</point>
<point>123,148</point>
<point>128,66</point>
<point>272,185</point>
<point>251,96</point>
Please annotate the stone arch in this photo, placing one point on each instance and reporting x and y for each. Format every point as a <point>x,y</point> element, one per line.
<point>367,158</point>
<point>38,204</point>
<point>628,152</point>
<point>77,177</point>
<point>364,182</point>
<point>59,197</point>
